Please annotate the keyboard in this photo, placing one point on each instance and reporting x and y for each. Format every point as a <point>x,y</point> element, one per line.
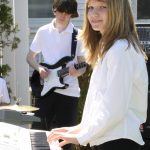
<point>14,137</point>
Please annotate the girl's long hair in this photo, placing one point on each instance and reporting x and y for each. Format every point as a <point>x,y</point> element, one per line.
<point>120,25</point>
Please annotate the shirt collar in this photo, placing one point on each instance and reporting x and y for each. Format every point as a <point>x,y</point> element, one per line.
<point>69,28</point>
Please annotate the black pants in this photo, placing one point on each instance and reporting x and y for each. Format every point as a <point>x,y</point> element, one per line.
<point>120,144</point>
<point>56,110</point>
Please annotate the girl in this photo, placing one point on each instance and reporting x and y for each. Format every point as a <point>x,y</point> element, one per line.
<point>116,102</point>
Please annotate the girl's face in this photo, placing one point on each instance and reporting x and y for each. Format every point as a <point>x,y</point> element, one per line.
<point>97,15</point>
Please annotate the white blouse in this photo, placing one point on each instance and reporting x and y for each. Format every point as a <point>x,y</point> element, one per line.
<point>116,102</point>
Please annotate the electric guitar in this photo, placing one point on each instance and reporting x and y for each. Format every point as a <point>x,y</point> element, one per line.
<point>55,78</point>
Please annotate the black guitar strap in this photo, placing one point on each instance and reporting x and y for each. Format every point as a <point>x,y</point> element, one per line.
<point>73,51</point>
<point>74,43</point>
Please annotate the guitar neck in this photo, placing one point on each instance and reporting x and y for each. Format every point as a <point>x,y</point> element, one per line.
<point>65,71</point>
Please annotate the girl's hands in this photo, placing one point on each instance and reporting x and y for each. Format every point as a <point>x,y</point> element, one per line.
<point>67,135</point>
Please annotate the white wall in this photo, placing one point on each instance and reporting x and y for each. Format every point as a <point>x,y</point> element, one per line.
<point>19,76</point>
<point>78,21</point>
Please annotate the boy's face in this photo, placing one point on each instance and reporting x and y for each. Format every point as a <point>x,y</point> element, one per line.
<point>62,17</point>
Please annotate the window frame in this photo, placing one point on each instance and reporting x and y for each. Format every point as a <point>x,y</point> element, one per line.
<point>134,9</point>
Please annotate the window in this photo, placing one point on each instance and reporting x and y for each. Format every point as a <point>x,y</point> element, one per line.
<point>40,8</point>
<point>143,9</point>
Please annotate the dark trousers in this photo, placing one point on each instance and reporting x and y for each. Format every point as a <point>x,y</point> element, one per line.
<point>56,110</point>
<point>120,144</point>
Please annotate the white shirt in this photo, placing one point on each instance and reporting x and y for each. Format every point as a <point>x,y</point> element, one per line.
<point>4,97</point>
<point>54,46</point>
<point>116,102</point>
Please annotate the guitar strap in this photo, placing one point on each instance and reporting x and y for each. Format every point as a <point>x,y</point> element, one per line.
<point>74,43</point>
<point>73,50</point>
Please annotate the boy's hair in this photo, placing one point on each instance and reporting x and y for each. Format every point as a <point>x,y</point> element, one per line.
<point>67,6</point>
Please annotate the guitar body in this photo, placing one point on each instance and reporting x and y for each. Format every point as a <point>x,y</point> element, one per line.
<point>53,82</point>
<point>43,88</point>
<point>54,79</point>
